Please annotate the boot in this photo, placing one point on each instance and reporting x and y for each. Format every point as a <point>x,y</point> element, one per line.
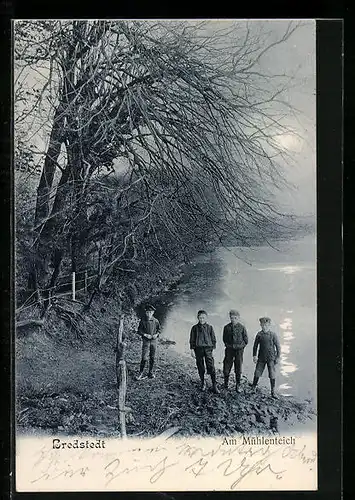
<point>202,383</point>
<point>237,386</point>
<point>214,384</point>
<point>255,383</point>
<point>272,384</point>
<point>142,365</point>
<point>141,376</point>
<point>226,380</point>
<point>150,373</point>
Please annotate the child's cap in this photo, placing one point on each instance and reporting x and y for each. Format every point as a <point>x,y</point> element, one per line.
<point>149,307</point>
<point>264,320</point>
<point>201,311</point>
<point>234,312</point>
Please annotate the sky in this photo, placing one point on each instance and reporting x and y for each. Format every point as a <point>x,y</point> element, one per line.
<point>300,52</point>
<point>298,55</point>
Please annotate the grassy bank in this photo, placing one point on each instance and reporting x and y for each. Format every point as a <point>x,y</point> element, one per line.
<point>66,383</point>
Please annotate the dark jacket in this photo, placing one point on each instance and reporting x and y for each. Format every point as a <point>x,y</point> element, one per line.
<point>269,346</point>
<point>149,327</point>
<point>202,336</point>
<point>235,336</point>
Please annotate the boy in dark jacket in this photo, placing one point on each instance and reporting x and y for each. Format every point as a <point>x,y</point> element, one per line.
<point>269,353</point>
<point>235,339</point>
<point>149,330</point>
<point>202,343</point>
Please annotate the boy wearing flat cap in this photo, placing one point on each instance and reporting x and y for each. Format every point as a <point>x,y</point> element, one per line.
<point>269,352</point>
<point>202,343</point>
<point>149,329</point>
<point>235,339</point>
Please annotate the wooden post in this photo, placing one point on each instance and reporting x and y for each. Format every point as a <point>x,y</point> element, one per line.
<point>73,286</point>
<point>121,379</point>
<point>100,263</point>
<point>120,331</point>
<point>122,398</point>
<point>86,281</point>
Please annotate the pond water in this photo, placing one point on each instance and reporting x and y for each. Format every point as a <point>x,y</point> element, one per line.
<point>278,281</point>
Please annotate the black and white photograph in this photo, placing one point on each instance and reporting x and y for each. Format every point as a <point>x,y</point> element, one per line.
<point>165,254</point>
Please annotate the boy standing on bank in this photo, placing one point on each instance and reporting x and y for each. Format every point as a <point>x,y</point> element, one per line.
<point>235,339</point>
<point>202,343</point>
<point>149,329</point>
<point>269,353</point>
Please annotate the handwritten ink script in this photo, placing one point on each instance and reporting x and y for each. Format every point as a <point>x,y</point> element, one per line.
<point>166,464</point>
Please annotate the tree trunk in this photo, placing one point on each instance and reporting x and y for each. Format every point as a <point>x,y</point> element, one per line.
<point>45,249</point>
<point>49,168</point>
<point>45,217</point>
<point>57,260</point>
<point>44,192</point>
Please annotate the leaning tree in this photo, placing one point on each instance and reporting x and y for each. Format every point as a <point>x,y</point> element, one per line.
<point>184,106</point>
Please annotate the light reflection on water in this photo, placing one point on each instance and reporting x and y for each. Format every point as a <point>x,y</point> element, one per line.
<point>286,269</point>
<point>287,366</point>
<point>281,285</point>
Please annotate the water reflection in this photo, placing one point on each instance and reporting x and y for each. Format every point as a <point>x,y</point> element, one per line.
<point>286,269</point>
<point>286,366</point>
<point>279,285</point>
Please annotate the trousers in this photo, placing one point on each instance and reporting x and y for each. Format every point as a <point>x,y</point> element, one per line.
<point>204,356</point>
<point>233,356</point>
<point>260,367</point>
<point>149,348</point>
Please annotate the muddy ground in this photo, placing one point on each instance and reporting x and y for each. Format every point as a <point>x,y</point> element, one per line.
<point>66,383</point>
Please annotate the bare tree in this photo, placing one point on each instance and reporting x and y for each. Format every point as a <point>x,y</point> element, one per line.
<point>188,109</point>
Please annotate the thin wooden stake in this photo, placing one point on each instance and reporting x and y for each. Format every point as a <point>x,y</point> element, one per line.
<point>73,286</point>
<point>122,397</point>
<point>86,281</point>
<point>121,379</point>
<point>120,331</point>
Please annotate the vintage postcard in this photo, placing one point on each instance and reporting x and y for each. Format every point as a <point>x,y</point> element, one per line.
<point>165,198</point>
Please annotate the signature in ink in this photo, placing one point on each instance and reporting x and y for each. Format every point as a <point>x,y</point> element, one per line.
<point>244,468</point>
<point>197,461</point>
<point>292,453</point>
<point>53,472</point>
<point>232,466</point>
<point>113,469</point>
